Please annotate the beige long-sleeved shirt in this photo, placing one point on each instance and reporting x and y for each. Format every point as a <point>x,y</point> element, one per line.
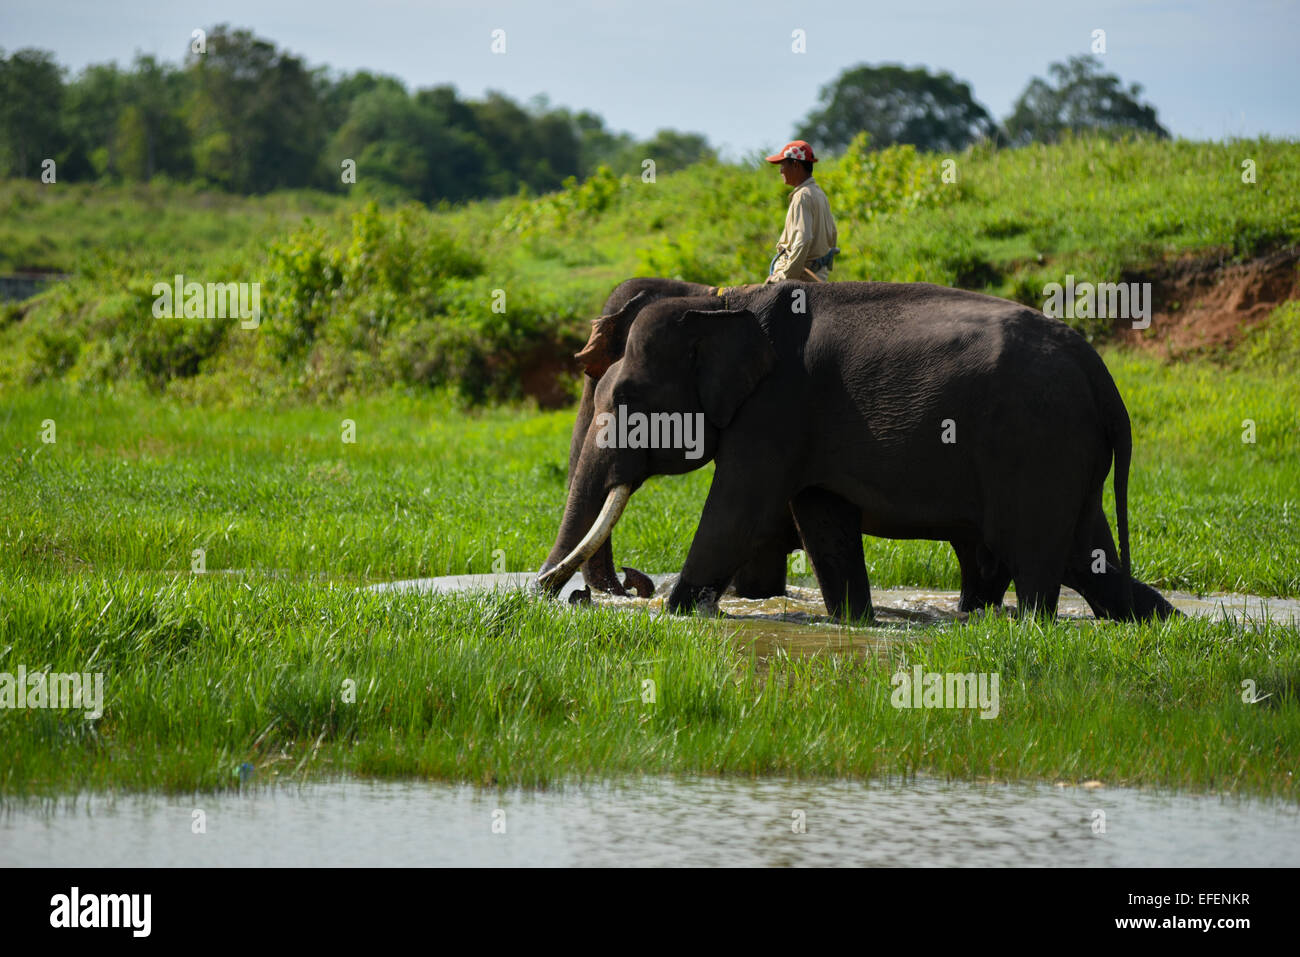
<point>809,233</point>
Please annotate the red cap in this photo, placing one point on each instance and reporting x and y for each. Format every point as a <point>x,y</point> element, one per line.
<point>797,150</point>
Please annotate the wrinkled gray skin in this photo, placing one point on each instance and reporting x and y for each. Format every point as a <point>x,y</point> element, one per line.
<point>764,574</point>
<point>836,415</point>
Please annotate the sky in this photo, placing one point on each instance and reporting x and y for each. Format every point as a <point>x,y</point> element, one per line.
<point>728,69</point>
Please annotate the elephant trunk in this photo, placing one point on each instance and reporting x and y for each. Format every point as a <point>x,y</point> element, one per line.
<point>598,572</point>
<point>554,578</point>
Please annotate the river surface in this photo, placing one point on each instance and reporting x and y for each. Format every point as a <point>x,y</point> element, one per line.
<point>654,822</point>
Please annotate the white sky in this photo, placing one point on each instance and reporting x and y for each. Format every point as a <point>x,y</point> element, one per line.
<point>725,68</point>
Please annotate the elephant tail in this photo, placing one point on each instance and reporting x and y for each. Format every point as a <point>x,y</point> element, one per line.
<point>1123,442</point>
<point>1119,430</point>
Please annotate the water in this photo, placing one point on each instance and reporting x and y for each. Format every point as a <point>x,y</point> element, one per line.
<point>797,624</point>
<point>657,822</point>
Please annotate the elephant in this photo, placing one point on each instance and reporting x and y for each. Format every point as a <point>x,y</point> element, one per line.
<point>903,410</point>
<point>764,574</point>
<point>608,336</point>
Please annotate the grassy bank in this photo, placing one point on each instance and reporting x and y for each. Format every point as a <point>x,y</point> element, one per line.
<point>133,484</point>
<point>70,227</point>
<point>477,297</point>
<point>205,675</point>
<point>206,672</point>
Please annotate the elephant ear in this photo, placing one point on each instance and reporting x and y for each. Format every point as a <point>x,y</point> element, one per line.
<point>732,355</point>
<point>609,337</point>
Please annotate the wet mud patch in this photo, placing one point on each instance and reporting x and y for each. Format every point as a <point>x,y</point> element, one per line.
<point>1205,304</point>
<point>796,623</point>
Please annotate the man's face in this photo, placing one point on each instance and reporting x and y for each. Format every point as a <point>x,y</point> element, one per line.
<point>791,172</point>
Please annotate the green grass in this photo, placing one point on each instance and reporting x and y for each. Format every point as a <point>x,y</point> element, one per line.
<point>67,227</point>
<point>205,674</point>
<point>357,301</point>
<point>134,484</point>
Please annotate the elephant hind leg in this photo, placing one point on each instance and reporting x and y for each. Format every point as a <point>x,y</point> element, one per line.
<point>831,529</point>
<point>1095,573</point>
<point>1094,570</point>
<point>1105,595</point>
<point>1149,604</point>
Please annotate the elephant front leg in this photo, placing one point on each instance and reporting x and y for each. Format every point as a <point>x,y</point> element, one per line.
<point>983,580</point>
<point>728,534</point>
<point>831,528</point>
<point>764,574</point>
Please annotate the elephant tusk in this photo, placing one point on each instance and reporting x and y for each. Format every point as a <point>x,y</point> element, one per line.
<point>555,579</point>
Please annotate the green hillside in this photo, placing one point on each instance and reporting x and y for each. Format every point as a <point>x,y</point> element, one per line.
<point>357,299</point>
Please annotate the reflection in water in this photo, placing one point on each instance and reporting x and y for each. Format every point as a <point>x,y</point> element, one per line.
<point>657,822</point>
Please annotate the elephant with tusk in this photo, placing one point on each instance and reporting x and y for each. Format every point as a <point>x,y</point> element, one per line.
<point>903,410</point>
<point>608,336</point>
<point>763,575</point>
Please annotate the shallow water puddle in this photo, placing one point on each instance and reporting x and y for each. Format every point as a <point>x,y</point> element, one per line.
<point>657,821</point>
<point>796,623</point>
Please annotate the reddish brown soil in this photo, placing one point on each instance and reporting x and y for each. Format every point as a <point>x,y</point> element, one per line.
<point>1205,304</point>
<point>541,378</point>
<point>1200,304</point>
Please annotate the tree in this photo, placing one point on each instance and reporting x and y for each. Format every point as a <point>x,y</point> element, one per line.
<point>599,146</point>
<point>896,105</point>
<point>151,137</point>
<point>670,149</point>
<point>337,96</point>
<point>92,103</point>
<point>405,144</point>
<point>1083,100</point>
<point>255,114</point>
<point>31,103</point>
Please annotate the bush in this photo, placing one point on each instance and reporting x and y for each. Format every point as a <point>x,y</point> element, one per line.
<point>1275,343</point>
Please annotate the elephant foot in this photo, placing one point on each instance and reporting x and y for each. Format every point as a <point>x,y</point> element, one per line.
<point>580,597</point>
<point>694,599</point>
<point>1150,605</point>
<point>638,582</point>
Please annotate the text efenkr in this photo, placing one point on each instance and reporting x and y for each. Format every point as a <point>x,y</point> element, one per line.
<point>102,910</point>
<point>214,300</point>
<point>657,430</point>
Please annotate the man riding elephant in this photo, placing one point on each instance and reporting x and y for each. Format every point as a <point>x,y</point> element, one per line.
<point>806,250</point>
